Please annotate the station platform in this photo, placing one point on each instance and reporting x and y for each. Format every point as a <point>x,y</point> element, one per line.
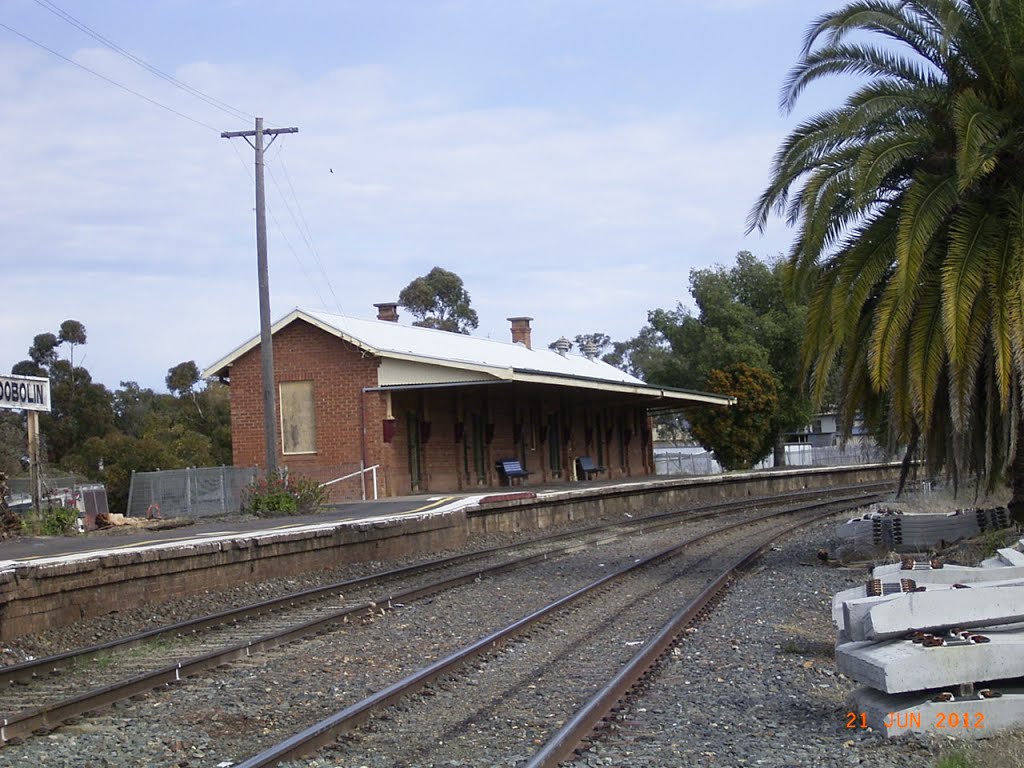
<point>50,582</point>
<point>182,531</point>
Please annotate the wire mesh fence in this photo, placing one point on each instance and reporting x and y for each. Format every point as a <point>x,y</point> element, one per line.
<point>830,455</point>
<point>63,490</point>
<point>688,460</point>
<point>192,492</point>
<point>217,491</point>
<point>68,491</point>
<point>670,462</point>
<point>49,482</point>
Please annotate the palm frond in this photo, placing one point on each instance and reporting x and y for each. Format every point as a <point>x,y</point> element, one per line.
<point>891,317</point>
<point>923,218</point>
<point>1005,320</point>
<point>926,360</point>
<point>854,59</point>
<point>979,131</point>
<point>972,236</point>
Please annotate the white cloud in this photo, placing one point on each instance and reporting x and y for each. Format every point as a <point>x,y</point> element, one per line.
<point>140,224</point>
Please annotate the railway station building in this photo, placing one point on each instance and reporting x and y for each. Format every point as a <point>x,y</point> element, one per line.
<point>435,411</point>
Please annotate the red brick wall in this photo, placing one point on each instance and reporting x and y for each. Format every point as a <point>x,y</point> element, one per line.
<point>339,372</point>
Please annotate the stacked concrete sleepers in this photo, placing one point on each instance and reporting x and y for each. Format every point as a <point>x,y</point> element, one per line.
<point>938,648</point>
<point>891,529</point>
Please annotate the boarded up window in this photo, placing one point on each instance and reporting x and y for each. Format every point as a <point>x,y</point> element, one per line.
<point>298,417</point>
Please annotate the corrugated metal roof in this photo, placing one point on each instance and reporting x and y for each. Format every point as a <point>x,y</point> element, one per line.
<point>445,347</point>
<point>504,360</point>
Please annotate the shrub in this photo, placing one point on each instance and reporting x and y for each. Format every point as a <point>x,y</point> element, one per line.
<point>51,521</point>
<point>283,494</point>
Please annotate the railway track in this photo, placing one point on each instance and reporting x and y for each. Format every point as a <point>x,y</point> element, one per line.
<point>42,688</point>
<point>574,645</point>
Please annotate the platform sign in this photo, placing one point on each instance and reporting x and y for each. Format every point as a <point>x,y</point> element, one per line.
<point>24,393</point>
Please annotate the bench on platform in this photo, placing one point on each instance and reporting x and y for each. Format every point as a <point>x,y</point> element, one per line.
<point>510,469</point>
<point>586,469</point>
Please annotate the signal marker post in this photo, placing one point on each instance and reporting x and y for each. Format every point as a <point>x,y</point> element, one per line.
<point>266,348</point>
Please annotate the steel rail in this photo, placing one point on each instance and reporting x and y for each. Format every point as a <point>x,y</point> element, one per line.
<point>328,729</point>
<point>23,723</point>
<point>37,667</point>
<point>587,718</point>
<point>49,716</point>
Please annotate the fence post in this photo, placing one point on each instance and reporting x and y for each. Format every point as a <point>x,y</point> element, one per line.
<point>131,490</point>
<point>223,492</point>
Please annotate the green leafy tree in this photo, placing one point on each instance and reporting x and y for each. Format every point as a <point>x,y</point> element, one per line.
<point>13,443</point>
<point>105,436</point>
<point>80,408</point>
<point>742,434</point>
<point>72,333</point>
<point>41,355</point>
<point>210,414</point>
<point>908,206</point>
<point>215,420</point>
<point>744,315</point>
<point>158,431</point>
<point>439,300</point>
<point>138,410</point>
<point>112,459</point>
<point>646,355</point>
<point>182,379</point>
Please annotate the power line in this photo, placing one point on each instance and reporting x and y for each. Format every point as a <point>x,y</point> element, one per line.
<point>304,229</point>
<point>281,232</point>
<point>213,102</point>
<point>125,88</point>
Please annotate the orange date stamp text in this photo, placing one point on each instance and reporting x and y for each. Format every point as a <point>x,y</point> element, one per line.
<point>911,719</point>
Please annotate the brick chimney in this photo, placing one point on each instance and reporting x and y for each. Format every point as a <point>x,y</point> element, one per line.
<point>521,330</point>
<point>387,310</point>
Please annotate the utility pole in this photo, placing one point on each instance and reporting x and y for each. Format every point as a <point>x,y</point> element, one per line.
<point>266,348</point>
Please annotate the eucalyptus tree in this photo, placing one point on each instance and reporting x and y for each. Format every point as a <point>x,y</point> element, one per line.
<point>908,207</point>
<point>439,300</point>
<point>744,315</point>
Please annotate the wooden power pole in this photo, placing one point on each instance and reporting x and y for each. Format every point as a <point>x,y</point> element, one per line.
<point>266,345</point>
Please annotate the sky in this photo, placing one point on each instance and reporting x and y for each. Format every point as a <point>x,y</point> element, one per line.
<point>570,160</point>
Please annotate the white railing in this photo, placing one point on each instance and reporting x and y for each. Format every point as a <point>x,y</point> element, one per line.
<point>362,478</point>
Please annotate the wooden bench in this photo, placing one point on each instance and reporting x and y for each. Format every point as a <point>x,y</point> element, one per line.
<point>586,469</point>
<point>510,469</point>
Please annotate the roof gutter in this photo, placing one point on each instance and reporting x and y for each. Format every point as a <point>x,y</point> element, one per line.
<point>441,385</point>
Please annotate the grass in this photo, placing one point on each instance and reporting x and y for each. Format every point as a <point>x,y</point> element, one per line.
<point>973,551</point>
<point>1003,751</point>
<point>791,646</point>
<point>956,759</point>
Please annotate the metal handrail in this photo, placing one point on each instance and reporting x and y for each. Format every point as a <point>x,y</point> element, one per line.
<point>362,474</point>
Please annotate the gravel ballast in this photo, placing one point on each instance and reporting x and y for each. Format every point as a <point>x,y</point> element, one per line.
<point>755,684</point>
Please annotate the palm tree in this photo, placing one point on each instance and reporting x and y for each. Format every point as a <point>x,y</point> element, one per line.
<point>908,205</point>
